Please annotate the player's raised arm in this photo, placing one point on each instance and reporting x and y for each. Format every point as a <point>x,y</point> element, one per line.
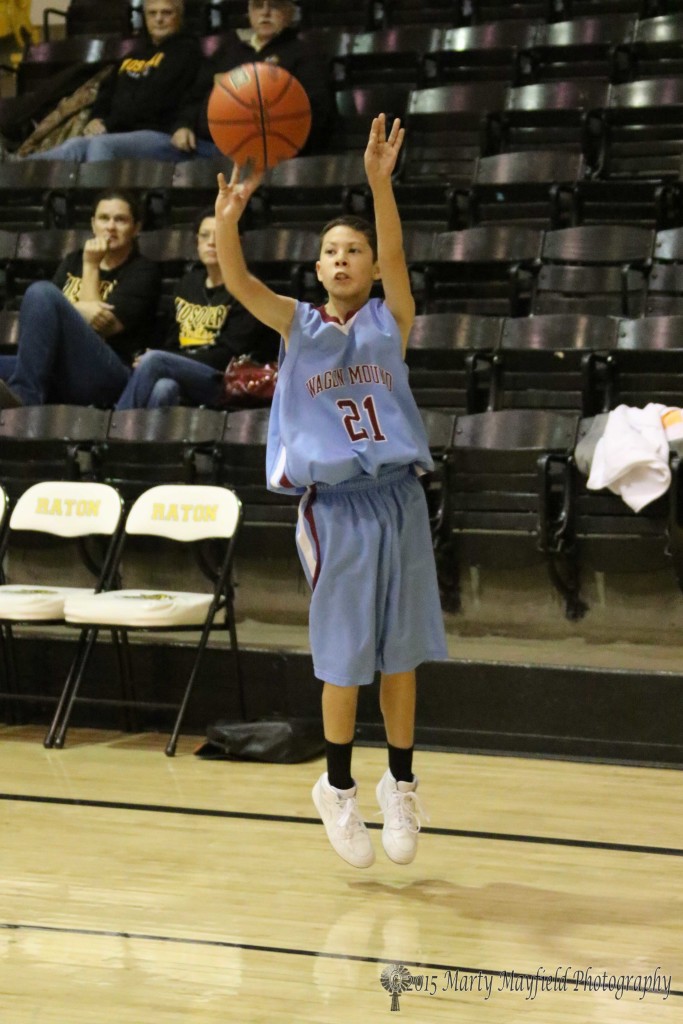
<point>274,310</point>
<point>381,155</point>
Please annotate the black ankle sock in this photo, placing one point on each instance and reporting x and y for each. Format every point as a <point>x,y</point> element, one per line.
<point>339,764</point>
<point>401,763</point>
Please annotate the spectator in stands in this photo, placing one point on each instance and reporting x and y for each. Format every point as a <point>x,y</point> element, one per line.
<point>209,327</point>
<point>79,332</point>
<point>137,106</point>
<point>272,37</point>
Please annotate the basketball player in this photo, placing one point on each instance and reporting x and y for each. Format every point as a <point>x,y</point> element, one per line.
<point>346,433</point>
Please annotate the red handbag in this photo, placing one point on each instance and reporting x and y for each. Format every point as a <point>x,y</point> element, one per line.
<point>248,383</point>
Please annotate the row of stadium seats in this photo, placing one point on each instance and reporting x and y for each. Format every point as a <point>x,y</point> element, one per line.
<point>494,270</point>
<point>120,16</point>
<point>618,47</point>
<point>506,492</point>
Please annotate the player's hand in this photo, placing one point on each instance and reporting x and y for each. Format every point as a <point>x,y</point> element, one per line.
<point>234,195</point>
<point>94,251</point>
<point>95,127</point>
<point>381,153</point>
<point>184,139</point>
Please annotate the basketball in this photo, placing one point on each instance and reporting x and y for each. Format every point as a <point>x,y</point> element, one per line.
<point>259,113</point>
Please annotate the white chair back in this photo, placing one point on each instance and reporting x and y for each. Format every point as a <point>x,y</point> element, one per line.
<point>185,512</point>
<point>68,508</point>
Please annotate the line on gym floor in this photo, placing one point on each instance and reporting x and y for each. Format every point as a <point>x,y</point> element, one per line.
<point>252,947</point>
<point>205,812</point>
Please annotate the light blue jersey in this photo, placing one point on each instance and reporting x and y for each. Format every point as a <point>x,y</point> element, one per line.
<point>343,406</point>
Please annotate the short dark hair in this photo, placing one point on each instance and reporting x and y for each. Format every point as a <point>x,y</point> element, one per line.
<point>359,224</point>
<point>126,197</point>
<point>208,211</point>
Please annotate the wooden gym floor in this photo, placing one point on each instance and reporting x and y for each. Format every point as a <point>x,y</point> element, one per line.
<point>135,888</point>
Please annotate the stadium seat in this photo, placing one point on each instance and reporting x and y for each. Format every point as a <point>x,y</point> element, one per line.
<point>446,354</point>
<point>519,188</point>
<point>597,268</point>
<point>202,519</point>
<point>612,539</point>
<point>580,48</point>
<point>486,270</point>
<point>149,180</point>
<point>355,109</point>
<point>239,463</point>
<point>38,254</point>
<point>285,259</point>
<point>308,191</point>
<point>426,12</point>
<point>655,47</point>
<point>549,115</point>
<point>32,194</point>
<point>48,442</point>
<point>665,279</point>
<point>641,130</point>
<point>443,131</point>
<point>509,501</point>
<point>483,53</point>
<point>42,61</point>
<point>143,447</point>
<point>387,55</point>
<point>57,531</point>
<point>646,364</point>
<point>554,362</point>
<point>193,187</point>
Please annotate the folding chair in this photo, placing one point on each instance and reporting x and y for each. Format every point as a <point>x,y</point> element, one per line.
<point>48,521</point>
<point>654,48</point>
<point>426,12</point>
<point>29,191</point>
<point>177,515</point>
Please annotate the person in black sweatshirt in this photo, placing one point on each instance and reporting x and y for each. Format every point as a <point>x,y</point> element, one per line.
<point>208,328</point>
<point>271,38</point>
<point>137,104</point>
<point>79,332</point>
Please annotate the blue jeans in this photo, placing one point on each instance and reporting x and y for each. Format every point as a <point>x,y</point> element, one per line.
<point>60,358</point>
<point>140,145</point>
<point>164,378</point>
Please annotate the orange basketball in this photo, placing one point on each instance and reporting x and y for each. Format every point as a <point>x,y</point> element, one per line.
<point>259,112</point>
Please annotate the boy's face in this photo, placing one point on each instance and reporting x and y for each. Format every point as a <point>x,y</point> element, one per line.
<point>114,222</point>
<point>206,242</point>
<point>347,267</point>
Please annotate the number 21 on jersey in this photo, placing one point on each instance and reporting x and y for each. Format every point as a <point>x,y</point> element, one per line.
<point>354,418</point>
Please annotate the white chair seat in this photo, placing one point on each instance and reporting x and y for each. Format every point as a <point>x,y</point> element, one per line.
<point>23,602</point>
<point>139,608</point>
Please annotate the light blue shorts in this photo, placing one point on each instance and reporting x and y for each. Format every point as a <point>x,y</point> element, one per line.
<point>366,549</point>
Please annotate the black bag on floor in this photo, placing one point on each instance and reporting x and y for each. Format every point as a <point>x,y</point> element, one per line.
<point>275,739</point>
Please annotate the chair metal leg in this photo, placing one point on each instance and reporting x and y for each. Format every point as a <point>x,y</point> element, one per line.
<point>122,649</point>
<point>60,722</point>
<point>10,671</point>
